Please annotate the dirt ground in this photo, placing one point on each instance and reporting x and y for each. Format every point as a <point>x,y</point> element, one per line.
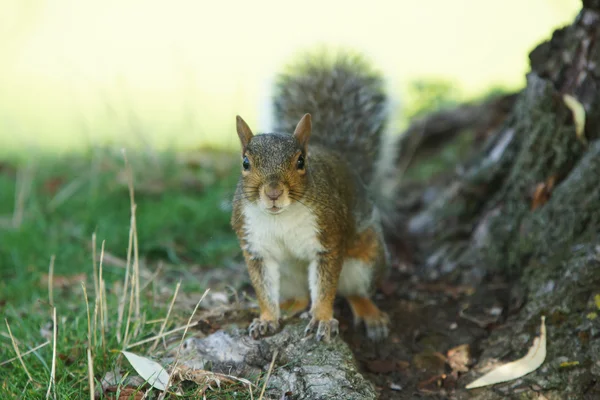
<point>429,319</point>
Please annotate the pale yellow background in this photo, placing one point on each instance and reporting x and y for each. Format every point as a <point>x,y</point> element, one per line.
<point>175,73</point>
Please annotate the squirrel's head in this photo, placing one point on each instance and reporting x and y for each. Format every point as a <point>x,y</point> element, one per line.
<point>274,165</point>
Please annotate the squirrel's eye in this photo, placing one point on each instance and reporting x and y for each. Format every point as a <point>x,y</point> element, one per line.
<point>300,162</point>
<point>246,163</point>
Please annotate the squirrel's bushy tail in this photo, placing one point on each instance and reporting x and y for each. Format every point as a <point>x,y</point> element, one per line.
<point>349,107</point>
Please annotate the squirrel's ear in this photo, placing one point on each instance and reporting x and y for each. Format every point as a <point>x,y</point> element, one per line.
<point>244,132</point>
<point>302,132</point>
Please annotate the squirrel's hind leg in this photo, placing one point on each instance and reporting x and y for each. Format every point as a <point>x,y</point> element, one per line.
<point>376,321</point>
<point>363,265</point>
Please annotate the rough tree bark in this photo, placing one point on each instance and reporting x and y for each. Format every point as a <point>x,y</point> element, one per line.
<point>527,206</point>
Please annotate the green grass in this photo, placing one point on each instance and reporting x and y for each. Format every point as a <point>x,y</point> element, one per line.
<point>182,223</point>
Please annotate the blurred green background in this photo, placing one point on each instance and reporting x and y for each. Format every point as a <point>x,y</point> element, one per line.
<point>75,73</point>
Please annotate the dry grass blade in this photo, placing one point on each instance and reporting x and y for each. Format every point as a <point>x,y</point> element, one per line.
<point>162,395</point>
<point>14,343</point>
<point>121,311</point>
<point>136,255</point>
<point>89,321</point>
<point>91,373</point>
<point>164,324</point>
<point>153,277</point>
<point>262,392</point>
<point>167,333</point>
<point>130,309</point>
<point>51,385</point>
<point>95,323</point>
<point>102,301</point>
<point>36,348</point>
<point>23,187</point>
<point>95,266</point>
<point>50,280</point>
<point>97,294</point>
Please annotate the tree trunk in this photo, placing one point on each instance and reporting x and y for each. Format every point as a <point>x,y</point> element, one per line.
<point>527,207</point>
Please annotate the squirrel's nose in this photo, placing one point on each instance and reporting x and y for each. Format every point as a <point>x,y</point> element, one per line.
<point>273,191</point>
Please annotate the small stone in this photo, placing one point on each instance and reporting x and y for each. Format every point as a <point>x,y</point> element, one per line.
<point>396,387</point>
<point>453,326</point>
<point>495,311</point>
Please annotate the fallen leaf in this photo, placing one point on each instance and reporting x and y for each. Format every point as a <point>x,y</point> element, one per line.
<point>578,116</point>
<point>396,387</point>
<point>597,301</point>
<point>592,316</point>
<point>381,366</point>
<point>287,396</point>
<point>516,369</point>
<point>436,381</point>
<point>542,192</point>
<point>59,281</point>
<point>569,364</point>
<point>402,365</point>
<point>458,358</point>
<point>125,393</point>
<point>430,361</point>
<point>150,370</point>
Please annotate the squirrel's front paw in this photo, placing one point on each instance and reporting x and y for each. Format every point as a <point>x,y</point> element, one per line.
<point>260,327</point>
<point>326,329</point>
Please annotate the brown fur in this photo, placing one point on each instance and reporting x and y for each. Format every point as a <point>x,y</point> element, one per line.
<point>329,188</point>
<point>365,247</point>
<point>294,306</point>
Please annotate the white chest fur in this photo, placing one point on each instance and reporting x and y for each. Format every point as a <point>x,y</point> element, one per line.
<point>290,236</point>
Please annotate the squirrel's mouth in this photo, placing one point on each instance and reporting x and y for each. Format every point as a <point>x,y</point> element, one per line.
<point>274,210</point>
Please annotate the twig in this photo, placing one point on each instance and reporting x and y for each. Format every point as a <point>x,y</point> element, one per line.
<point>164,324</point>
<point>16,347</point>
<point>53,370</point>
<point>26,353</point>
<point>262,392</point>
